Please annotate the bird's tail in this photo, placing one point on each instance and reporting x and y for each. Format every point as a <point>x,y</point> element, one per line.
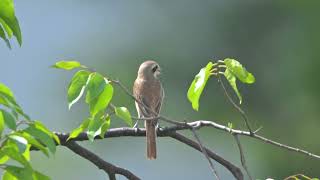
<point>151,135</point>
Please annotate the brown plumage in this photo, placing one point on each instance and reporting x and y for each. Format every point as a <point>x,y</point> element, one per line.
<point>148,90</point>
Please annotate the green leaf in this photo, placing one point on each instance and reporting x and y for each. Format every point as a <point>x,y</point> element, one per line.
<point>44,137</point>
<point>43,128</point>
<point>77,86</point>
<point>96,85</point>
<point>5,90</point>
<point>67,65</point>
<point>7,99</point>
<point>7,15</point>
<point>20,111</point>
<point>39,176</point>
<point>7,176</point>
<point>94,128</point>
<point>123,113</point>
<point>33,142</point>
<point>198,85</point>
<point>4,37</point>
<point>11,104</point>
<point>12,151</point>
<point>105,125</point>
<point>7,28</point>
<point>230,125</point>
<point>21,142</point>
<point>3,157</point>
<point>1,123</point>
<point>239,71</point>
<point>232,81</point>
<point>3,100</point>
<point>20,173</point>
<point>84,125</point>
<point>99,94</point>
<point>15,114</point>
<point>26,153</point>
<point>8,119</point>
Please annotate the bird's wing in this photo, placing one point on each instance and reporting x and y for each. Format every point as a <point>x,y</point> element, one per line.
<point>142,110</point>
<point>160,100</point>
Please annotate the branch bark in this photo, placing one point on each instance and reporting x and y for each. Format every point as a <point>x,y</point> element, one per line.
<point>166,132</point>
<point>109,168</point>
<point>242,158</point>
<point>171,132</point>
<point>236,172</point>
<point>204,151</point>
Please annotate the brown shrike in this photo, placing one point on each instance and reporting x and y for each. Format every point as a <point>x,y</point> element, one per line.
<point>148,90</point>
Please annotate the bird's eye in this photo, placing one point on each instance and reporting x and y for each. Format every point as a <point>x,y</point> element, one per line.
<point>154,68</point>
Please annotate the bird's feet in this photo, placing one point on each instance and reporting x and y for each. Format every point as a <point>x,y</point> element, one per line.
<point>136,124</point>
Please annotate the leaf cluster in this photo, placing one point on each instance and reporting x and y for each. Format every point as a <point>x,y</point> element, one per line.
<point>18,133</point>
<point>9,24</point>
<point>98,92</point>
<point>231,69</point>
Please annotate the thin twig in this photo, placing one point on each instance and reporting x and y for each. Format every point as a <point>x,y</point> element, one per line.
<point>109,168</point>
<point>236,172</point>
<point>215,173</point>
<point>243,114</point>
<point>242,158</point>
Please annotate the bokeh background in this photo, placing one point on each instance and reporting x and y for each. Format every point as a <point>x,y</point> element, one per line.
<point>278,41</point>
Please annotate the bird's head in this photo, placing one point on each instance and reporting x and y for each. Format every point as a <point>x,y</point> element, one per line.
<point>149,69</point>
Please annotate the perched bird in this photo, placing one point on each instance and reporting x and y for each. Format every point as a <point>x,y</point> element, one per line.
<point>147,89</point>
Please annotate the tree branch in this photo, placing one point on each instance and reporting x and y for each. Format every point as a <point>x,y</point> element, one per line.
<point>243,114</point>
<point>215,173</point>
<point>242,158</point>
<point>205,123</point>
<point>165,132</point>
<point>171,132</point>
<point>236,172</point>
<point>125,131</point>
<point>109,168</point>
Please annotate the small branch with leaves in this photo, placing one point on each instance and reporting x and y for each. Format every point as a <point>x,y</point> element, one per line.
<point>19,133</point>
<point>27,134</point>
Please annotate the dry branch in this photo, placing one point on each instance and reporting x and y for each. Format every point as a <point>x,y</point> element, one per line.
<point>109,168</point>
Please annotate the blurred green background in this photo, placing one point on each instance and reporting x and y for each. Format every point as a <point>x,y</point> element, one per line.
<point>278,41</point>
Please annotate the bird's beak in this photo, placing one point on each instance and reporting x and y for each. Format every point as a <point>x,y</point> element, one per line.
<point>157,73</point>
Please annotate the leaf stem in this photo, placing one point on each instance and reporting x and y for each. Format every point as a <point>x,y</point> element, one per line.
<point>243,114</point>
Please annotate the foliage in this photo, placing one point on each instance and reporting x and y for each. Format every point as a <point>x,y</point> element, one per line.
<point>198,85</point>
<point>18,133</point>
<point>233,71</point>
<point>9,25</point>
<point>99,92</point>
<point>300,177</point>
<point>67,65</point>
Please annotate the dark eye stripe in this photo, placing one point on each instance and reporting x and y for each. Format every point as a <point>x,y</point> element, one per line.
<point>154,68</point>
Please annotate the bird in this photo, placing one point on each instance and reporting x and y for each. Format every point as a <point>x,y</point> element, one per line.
<point>149,94</point>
